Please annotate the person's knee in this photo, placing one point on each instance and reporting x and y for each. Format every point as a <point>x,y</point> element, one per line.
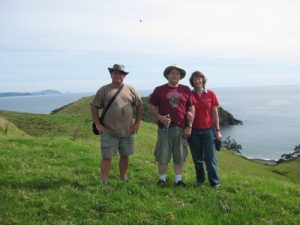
<point>124,157</point>
<point>106,161</point>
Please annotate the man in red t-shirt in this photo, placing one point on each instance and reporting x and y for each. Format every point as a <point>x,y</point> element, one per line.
<point>169,104</point>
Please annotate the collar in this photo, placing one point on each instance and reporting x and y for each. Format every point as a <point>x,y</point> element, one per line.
<point>205,91</point>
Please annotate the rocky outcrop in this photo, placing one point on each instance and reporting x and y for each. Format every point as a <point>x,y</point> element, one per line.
<point>227,118</point>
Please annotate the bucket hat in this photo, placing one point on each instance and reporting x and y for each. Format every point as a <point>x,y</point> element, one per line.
<point>169,68</point>
<point>118,67</point>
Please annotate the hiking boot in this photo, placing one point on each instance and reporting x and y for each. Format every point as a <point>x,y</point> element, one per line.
<point>180,184</point>
<point>217,186</point>
<point>200,184</point>
<point>161,183</point>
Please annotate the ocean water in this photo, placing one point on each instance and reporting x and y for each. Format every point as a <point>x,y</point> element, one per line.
<point>271,115</point>
<point>43,104</point>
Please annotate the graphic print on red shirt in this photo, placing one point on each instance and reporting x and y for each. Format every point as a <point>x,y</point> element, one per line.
<point>174,98</point>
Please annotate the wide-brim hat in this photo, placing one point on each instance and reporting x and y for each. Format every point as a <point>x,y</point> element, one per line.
<point>169,68</point>
<point>118,67</point>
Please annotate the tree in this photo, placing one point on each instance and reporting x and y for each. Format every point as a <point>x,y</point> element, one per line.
<point>297,148</point>
<point>290,156</point>
<point>232,145</point>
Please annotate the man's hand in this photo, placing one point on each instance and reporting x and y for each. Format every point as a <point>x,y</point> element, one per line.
<point>100,128</point>
<point>134,128</point>
<point>187,132</point>
<point>165,120</point>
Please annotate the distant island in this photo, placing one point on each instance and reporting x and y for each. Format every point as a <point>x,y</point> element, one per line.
<point>44,92</point>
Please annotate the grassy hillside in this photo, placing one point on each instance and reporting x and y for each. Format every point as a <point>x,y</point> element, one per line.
<point>51,177</point>
<point>8,128</point>
<point>41,125</point>
<point>82,106</point>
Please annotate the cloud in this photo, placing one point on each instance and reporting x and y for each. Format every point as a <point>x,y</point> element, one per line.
<point>228,28</point>
<point>60,42</point>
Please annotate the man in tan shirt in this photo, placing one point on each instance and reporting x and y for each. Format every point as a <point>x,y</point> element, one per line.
<point>117,128</point>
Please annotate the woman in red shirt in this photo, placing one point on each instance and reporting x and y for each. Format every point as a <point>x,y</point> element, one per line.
<point>205,129</point>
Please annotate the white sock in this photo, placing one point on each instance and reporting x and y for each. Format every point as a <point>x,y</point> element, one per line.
<point>163,177</point>
<point>103,182</point>
<point>178,178</point>
<point>125,178</point>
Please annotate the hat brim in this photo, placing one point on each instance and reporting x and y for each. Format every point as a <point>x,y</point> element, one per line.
<point>169,68</point>
<point>111,70</point>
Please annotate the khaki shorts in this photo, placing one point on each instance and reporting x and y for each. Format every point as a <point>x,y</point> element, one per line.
<point>171,143</point>
<point>110,145</point>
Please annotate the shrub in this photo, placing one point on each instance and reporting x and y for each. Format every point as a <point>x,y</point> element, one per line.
<point>232,145</point>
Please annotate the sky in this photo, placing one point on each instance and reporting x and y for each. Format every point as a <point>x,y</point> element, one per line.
<point>67,45</point>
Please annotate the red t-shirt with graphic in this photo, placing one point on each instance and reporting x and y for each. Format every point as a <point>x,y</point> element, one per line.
<point>173,101</point>
<point>203,109</point>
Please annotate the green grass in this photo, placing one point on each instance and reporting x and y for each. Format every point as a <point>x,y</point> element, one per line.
<point>41,125</point>
<point>8,128</point>
<point>81,106</point>
<point>50,177</point>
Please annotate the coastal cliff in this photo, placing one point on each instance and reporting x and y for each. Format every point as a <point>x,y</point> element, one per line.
<point>226,118</point>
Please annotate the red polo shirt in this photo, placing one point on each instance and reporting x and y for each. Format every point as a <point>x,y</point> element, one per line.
<point>203,109</point>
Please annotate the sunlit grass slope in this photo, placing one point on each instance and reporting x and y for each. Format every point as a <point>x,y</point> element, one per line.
<point>51,177</point>
<point>9,129</point>
<point>82,106</point>
<point>41,125</point>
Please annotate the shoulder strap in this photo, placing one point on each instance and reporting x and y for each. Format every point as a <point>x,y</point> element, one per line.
<point>110,102</point>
